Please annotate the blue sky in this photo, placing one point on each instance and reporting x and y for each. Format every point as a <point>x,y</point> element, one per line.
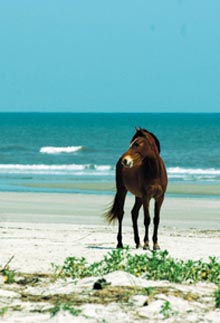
<point>114,56</point>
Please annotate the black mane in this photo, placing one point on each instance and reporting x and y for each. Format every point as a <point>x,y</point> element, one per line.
<point>140,133</point>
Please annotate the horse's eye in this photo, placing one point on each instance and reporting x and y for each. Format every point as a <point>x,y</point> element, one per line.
<point>136,144</point>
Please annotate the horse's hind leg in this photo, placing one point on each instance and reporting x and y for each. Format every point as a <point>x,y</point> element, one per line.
<point>117,212</point>
<point>157,208</point>
<point>119,200</point>
<point>146,202</point>
<point>134,213</point>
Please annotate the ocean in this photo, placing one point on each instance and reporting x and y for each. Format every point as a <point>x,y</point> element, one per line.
<point>77,152</point>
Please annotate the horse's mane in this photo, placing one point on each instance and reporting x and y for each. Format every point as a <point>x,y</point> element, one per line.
<point>140,132</point>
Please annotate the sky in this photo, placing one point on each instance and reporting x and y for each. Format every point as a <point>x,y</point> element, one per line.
<point>110,56</point>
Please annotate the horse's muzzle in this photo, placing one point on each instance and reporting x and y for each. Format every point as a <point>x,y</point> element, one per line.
<point>127,162</point>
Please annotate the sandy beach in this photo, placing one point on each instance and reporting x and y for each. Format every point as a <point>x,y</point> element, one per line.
<point>38,229</point>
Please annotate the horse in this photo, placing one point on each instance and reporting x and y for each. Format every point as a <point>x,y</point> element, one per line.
<point>141,171</point>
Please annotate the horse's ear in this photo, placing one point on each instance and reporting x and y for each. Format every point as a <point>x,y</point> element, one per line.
<point>137,133</point>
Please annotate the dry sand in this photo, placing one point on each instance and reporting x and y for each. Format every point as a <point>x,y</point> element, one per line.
<point>40,229</point>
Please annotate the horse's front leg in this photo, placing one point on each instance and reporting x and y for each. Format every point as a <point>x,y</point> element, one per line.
<point>157,208</point>
<point>146,202</point>
<point>134,213</point>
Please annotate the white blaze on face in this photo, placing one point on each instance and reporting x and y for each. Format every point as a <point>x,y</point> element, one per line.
<point>127,161</point>
<point>131,144</point>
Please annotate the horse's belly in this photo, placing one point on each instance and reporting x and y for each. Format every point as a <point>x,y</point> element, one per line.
<point>135,191</point>
<point>132,183</point>
<point>137,186</point>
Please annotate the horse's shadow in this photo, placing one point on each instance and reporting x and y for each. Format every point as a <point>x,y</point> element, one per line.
<point>111,248</point>
<point>100,247</point>
<point>115,248</point>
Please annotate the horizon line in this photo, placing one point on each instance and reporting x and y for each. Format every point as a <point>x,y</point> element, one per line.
<point>115,112</point>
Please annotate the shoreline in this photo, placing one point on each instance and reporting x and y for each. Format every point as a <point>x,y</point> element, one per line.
<point>95,187</point>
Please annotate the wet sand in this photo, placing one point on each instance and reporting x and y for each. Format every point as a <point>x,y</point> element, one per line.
<point>199,213</point>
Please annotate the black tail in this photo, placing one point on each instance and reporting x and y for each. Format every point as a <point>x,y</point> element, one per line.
<point>114,212</point>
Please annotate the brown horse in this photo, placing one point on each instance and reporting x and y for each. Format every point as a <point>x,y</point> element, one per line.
<point>141,171</point>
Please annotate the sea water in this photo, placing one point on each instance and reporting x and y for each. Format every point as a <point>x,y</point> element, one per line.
<point>77,152</point>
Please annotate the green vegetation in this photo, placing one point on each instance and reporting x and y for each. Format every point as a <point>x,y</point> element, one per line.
<point>151,265</point>
<point>217,298</point>
<point>64,307</point>
<point>3,311</point>
<point>9,276</point>
<point>167,310</point>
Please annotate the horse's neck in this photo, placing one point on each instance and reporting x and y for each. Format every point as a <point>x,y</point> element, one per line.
<point>152,167</point>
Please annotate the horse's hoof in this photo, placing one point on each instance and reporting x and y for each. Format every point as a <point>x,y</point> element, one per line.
<point>138,246</point>
<point>156,247</point>
<point>120,246</point>
<point>146,247</point>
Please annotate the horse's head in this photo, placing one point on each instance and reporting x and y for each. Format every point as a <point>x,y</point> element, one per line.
<point>143,145</point>
<point>141,132</point>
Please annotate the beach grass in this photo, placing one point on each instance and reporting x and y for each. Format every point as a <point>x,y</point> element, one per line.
<point>153,265</point>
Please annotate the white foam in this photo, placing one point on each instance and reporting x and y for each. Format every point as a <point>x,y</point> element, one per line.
<point>77,169</point>
<point>103,167</point>
<point>40,169</point>
<point>59,150</point>
<point>193,171</point>
<point>102,170</point>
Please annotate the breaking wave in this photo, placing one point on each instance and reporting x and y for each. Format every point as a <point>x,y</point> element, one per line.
<point>75,169</point>
<point>59,150</point>
<point>199,171</point>
<point>174,173</point>
<point>193,173</point>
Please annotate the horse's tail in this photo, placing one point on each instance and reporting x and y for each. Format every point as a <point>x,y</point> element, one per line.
<point>113,213</point>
